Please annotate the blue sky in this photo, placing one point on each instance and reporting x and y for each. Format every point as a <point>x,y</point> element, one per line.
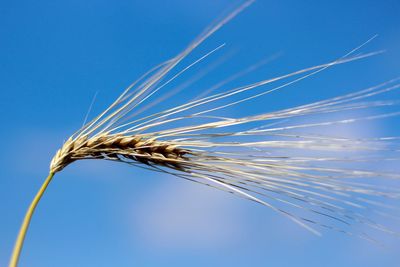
<point>55,55</point>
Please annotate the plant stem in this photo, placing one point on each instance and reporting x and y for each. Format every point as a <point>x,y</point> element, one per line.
<point>25,224</point>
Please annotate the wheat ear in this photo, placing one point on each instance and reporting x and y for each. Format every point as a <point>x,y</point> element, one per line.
<point>267,161</point>
<point>109,146</point>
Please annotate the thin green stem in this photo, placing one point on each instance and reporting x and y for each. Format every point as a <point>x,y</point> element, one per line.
<point>25,224</point>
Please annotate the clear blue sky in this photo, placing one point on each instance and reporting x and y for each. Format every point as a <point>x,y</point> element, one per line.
<point>55,55</point>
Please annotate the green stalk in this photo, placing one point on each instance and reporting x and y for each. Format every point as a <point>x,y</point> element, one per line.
<point>25,224</point>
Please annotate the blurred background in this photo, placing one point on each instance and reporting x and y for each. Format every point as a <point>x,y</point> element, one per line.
<point>56,55</point>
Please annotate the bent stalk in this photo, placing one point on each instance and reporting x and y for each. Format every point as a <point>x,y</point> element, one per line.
<point>25,224</point>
